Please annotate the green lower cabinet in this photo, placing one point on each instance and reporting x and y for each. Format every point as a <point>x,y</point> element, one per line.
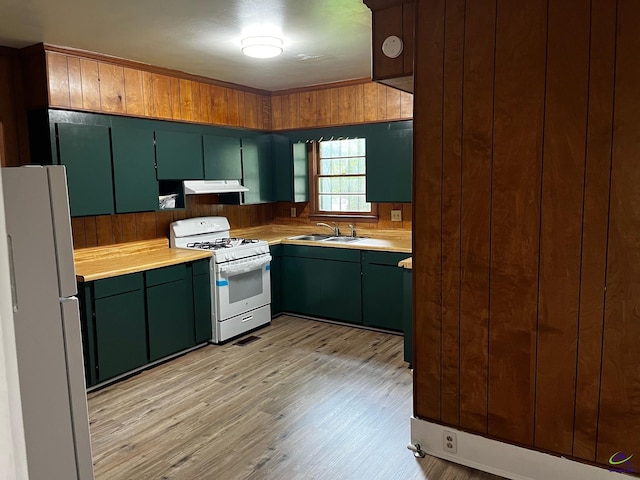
<point>169,311</point>
<point>131,320</point>
<point>382,290</point>
<point>322,282</point>
<point>120,328</point>
<point>276,280</point>
<point>202,305</point>
<point>407,315</point>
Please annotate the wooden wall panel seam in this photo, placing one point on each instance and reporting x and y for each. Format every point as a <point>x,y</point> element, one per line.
<point>598,156</point>
<point>564,134</point>
<point>608,236</point>
<point>540,198</point>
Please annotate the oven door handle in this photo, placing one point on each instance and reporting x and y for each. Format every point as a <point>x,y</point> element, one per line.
<point>236,268</point>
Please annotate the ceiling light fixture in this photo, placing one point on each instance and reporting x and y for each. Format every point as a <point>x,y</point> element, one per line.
<point>262,47</point>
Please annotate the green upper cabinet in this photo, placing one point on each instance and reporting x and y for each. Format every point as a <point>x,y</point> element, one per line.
<point>300,173</point>
<point>134,172</point>
<point>257,170</point>
<point>291,170</point>
<point>222,160</point>
<point>179,155</point>
<point>86,152</point>
<point>389,160</point>
<point>281,154</point>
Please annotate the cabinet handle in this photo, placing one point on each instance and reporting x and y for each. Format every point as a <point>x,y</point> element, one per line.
<point>246,319</point>
<point>12,275</point>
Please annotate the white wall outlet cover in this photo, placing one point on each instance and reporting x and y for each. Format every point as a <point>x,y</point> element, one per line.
<point>396,215</point>
<point>392,46</point>
<point>449,441</point>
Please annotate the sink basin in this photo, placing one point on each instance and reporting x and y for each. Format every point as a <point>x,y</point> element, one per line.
<point>319,237</point>
<point>343,239</point>
<point>314,237</point>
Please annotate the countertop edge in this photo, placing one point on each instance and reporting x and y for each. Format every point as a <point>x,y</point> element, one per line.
<point>406,263</point>
<point>139,264</point>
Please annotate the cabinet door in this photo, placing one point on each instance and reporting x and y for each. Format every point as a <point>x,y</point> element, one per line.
<point>222,160</point>
<point>256,170</point>
<point>121,333</point>
<point>322,288</point>
<point>300,173</point>
<point>407,315</point>
<point>179,155</point>
<point>169,312</point>
<point>86,152</point>
<point>134,171</point>
<point>389,162</point>
<point>202,307</point>
<point>281,154</point>
<point>276,280</point>
<point>382,290</point>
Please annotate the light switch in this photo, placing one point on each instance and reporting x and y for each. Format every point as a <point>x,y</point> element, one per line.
<point>293,212</point>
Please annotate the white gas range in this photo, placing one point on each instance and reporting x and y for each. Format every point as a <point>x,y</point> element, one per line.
<point>240,276</point>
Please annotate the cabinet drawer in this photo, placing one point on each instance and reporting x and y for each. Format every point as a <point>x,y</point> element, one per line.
<point>383,258</point>
<point>201,267</point>
<point>165,274</point>
<point>323,253</point>
<point>276,250</point>
<point>116,285</point>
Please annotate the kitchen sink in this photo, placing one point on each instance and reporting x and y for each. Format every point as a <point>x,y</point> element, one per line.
<point>343,239</point>
<point>318,237</point>
<point>314,237</point>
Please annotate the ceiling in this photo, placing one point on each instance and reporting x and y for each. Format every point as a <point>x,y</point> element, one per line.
<point>324,40</point>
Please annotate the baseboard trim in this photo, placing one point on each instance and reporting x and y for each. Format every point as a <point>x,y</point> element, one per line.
<point>503,459</point>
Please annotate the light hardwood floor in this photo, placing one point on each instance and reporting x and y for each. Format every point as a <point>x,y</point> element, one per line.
<point>308,400</point>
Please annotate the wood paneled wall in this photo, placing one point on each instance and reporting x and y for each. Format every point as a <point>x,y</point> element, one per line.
<point>526,207</point>
<point>128,227</point>
<point>282,212</point>
<point>338,104</point>
<point>13,117</point>
<point>110,86</point>
<point>93,83</point>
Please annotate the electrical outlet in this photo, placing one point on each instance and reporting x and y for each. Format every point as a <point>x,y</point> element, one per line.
<point>449,442</point>
<point>396,215</point>
<point>293,212</point>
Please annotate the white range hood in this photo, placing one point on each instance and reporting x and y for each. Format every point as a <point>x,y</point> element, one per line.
<point>195,187</point>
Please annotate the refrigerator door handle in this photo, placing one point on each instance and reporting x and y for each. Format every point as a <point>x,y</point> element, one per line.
<point>12,275</point>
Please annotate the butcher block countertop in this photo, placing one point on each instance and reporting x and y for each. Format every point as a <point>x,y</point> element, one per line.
<point>382,240</point>
<point>406,263</point>
<point>96,263</point>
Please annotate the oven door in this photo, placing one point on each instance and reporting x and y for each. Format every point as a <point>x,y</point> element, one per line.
<point>242,285</point>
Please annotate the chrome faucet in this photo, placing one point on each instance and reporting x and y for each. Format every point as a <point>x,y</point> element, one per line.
<point>353,230</point>
<point>334,229</point>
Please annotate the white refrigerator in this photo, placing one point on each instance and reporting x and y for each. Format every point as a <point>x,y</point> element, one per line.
<point>47,323</point>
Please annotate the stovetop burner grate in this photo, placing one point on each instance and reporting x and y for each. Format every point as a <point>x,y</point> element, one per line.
<point>221,243</point>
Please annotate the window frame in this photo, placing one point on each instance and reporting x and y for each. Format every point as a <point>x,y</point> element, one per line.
<point>314,195</point>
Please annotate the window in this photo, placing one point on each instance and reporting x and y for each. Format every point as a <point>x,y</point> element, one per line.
<point>339,178</point>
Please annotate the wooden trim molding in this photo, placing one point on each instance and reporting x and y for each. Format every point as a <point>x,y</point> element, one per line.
<point>148,68</point>
<point>322,86</point>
